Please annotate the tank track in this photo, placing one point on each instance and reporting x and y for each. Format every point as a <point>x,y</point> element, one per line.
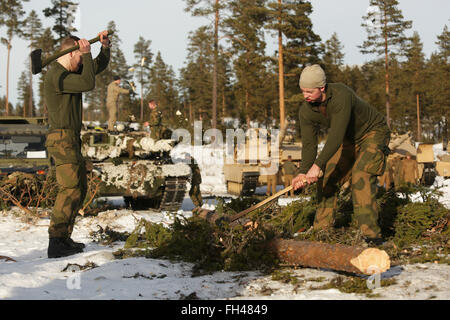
<point>174,192</point>
<point>249,183</point>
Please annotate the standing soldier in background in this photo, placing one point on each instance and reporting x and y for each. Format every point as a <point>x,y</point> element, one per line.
<point>409,170</point>
<point>357,145</point>
<point>289,170</point>
<point>196,180</point>
<point>387,179</point>
<point>271,171</point>
<point>64,83</point>
<point>155,122</point>
<point>114,90</point>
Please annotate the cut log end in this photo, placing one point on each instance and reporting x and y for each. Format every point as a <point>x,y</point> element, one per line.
<point>372,261</point>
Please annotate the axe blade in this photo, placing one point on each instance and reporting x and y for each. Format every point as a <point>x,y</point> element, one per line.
<point>36,61</point>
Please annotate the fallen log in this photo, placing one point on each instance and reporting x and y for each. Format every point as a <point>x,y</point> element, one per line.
<point>338,257</point>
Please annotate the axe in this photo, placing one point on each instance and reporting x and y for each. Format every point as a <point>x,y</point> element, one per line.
<point>37,63</point>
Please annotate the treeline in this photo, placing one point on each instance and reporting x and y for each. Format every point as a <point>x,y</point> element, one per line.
<point>229,74</point>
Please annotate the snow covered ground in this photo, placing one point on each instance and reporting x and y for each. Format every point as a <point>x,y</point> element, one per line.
<point>33,276</point>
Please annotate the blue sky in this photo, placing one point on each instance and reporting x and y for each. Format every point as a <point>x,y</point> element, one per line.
<point>167,25</point>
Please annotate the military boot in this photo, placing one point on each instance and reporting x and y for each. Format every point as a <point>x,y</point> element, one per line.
<point>59,247</point>
<point>74,244</point>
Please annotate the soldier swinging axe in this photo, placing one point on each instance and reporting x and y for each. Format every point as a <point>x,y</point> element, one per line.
<point>37,63</point>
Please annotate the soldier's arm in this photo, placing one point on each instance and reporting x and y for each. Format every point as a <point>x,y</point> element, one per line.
<point>69,82</point>
<point>102,60</point>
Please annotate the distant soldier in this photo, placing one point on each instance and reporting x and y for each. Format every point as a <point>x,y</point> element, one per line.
<point>409,172</point>
<point>289,170</point>
<point>196,180</point>
<point>271,171</point>
<point>155,122</point>
<point>114,90</point>
<point>387,179</point>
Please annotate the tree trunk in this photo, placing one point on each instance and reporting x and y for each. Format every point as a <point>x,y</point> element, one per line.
<point>216,57</point>
<point>331,256</point>
<point>386,64</point>
<point>7,79</point>
<point>419,129</point>
<point>281,70</point>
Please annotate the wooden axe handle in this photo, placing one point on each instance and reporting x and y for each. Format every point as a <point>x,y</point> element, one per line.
<point>66,51</point>
<point>258,205</point>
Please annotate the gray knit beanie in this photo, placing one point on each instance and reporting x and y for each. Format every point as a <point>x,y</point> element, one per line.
<point>313,77</point>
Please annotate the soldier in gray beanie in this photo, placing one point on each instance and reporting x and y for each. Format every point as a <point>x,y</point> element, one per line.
<point>356,149</point>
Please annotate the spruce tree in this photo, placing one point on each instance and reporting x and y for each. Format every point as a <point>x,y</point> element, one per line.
<point>385,28</point>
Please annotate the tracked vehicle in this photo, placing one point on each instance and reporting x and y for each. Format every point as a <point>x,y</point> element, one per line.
<point>133,165</point>
<point>22,145</point>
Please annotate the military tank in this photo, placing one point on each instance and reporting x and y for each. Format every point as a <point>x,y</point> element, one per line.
<point>22,145</point>
<point>133,165</point>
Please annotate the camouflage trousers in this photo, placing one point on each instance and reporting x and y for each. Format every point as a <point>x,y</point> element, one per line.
<point>64,147</point>
<point>196,195</point>
<point>360,163</point>
<point>288,181</point>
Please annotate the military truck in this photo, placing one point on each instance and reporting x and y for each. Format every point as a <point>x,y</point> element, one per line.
<point>246,172</point>
<point>22,145</point>
<point>133,165</point>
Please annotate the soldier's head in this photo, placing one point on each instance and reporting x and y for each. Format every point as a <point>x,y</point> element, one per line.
<point>152,104</point>
<point>289,157</point>
<point>408,155</point>
<point>72,61</point>
<point>117,79</point>
<point>312,83</point>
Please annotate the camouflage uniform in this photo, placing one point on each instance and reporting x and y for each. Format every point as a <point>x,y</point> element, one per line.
<point>196,180</point>
<point>356,149</point>
<point>63,95</point>
<point>362,163</point>
<point>64,146</point>
<point>155,124</point>
<point>111,102</point>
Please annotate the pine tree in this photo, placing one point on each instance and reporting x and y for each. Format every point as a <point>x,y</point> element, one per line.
<point>197,74</point>
<point>47,43</point>
<point>162,89</point>
<point>32,32</point>
<point>209,8</point>
<point>11,13</point>
<point>333,58</point>
<point>414,69</point>
<point>385,26</point>
<point>23,88</point>
<point>62,12</point>
<point>245,31</point>
<point>302,48</point>
<point>143,56</point>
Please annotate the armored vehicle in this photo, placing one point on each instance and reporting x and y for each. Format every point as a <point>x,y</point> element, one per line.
<point>247,172</point>
<point>22,145</point>
<point>133,165</point>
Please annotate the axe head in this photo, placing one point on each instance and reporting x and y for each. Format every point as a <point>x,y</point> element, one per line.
<point>36,61</point>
